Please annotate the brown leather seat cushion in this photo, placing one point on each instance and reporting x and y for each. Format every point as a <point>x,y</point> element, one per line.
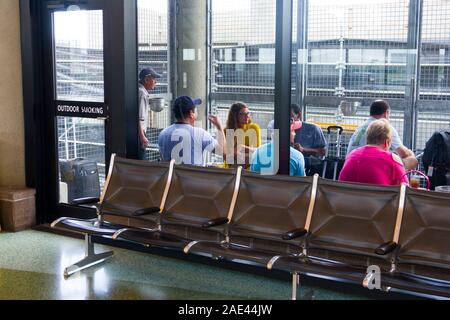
<point>268,207</point>
<point>425,233</point>
<point>352,219</point>
<point>134,185</point>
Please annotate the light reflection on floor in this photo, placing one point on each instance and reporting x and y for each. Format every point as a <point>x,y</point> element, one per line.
<point>32,265</point>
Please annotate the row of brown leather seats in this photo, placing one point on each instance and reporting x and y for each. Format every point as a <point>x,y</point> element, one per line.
<point>303,225</point>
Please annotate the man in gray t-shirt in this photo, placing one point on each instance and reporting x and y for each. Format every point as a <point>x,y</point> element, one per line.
<point>147,81</point>
<point>186,143</point>
<point>358,138</point>
<point>380,109</point>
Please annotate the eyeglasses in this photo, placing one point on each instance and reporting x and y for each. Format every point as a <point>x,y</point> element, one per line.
<point>244,114</point>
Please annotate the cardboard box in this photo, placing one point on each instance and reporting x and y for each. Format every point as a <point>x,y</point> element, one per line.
<point>17,208</point>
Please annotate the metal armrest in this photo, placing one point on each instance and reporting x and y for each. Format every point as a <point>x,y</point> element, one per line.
<point>274,259</point>
<point>146,211</point>
<point>61,220</point>
<point>386,248</point>
<point>215,222</point>
<point>294,234</point>
<point>118,233</point>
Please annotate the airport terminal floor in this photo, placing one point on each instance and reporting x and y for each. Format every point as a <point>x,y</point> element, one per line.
<point>32,263</point>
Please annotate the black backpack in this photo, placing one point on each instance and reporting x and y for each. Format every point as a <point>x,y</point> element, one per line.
<point>437,150</point>
<point>437,155</point>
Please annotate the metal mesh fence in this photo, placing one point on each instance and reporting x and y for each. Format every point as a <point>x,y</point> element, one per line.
<point>435,54</point>
<point>357,49</point>
<point>434,87</point>
<point>79,55</point>
<point>243,40</point>
<point>153,50</point>
<point>243,59</point>
<point>81,138</point>
<point>325,117</point>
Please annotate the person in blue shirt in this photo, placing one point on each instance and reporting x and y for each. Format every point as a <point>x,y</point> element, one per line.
<point>264,162</point>
<point>186,143</point>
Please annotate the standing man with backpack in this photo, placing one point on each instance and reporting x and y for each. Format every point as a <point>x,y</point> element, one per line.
<point>436,158</point>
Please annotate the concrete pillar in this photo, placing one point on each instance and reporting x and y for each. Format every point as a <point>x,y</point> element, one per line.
<point>191,38</point>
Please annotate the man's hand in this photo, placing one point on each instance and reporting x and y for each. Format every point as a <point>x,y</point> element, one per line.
<point>144,141</point>
<point>216,122</point>
<point>408,158</point>
<point>299,147</point>
<point>222,143</point>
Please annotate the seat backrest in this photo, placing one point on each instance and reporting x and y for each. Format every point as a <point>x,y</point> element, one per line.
<point>353,218</point>
<point>134,185</point>
<point>267,207</point>
<point>199,194</point>
<point>425,231</point>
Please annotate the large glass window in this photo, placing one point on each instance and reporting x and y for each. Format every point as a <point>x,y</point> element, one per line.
<point>434,90</point>
<point>243,58</point>
<point>153,51</point>
<point>354,52</point>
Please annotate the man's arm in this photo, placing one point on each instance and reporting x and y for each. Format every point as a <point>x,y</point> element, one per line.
<point>408,158</point>
<point>142,136</point>
<point>142,129</point>
<point>319,152</point>
<point>317,146</point>
<point>221,141</point>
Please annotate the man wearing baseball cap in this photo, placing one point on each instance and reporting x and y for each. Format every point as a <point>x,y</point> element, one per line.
<point>186,143</point>
<point>147,81</point>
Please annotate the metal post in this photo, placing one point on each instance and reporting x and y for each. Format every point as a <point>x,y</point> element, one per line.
<point>283,66</point>
<point>90,258</point>
<point>173,73</point>
<point>295,284</point>
<point>412,72</point>
<point>302,54</point>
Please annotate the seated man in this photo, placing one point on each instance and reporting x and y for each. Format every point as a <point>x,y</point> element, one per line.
<point>185,143</point>
<point>262,160</point>
<point>373,163</point>
<point>309,140</point>
<point>380,109</point>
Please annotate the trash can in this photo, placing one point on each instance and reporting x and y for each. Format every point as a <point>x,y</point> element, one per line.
<point>17,208</point>
<point>82,178</point>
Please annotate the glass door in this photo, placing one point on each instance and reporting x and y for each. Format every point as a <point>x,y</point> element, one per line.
<point>80,109</point>
<point>75,99</point>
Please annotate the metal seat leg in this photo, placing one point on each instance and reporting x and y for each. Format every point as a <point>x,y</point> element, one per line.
<point>90,259</point>
<point>309,295</point>
<point>295,283</point>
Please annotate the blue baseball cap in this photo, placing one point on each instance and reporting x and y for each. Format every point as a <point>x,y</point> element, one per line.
<point>185,104</point>
<point>148,72</point>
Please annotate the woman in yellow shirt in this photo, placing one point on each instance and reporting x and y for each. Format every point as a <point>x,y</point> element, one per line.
<point>246,136</point>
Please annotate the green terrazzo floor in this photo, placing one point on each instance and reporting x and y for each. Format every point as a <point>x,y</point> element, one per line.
<point>32,263</point>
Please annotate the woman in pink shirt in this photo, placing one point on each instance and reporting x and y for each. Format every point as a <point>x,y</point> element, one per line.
<point>373,163</point>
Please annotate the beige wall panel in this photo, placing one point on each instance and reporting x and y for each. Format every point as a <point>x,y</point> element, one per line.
<point>12,141</point>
